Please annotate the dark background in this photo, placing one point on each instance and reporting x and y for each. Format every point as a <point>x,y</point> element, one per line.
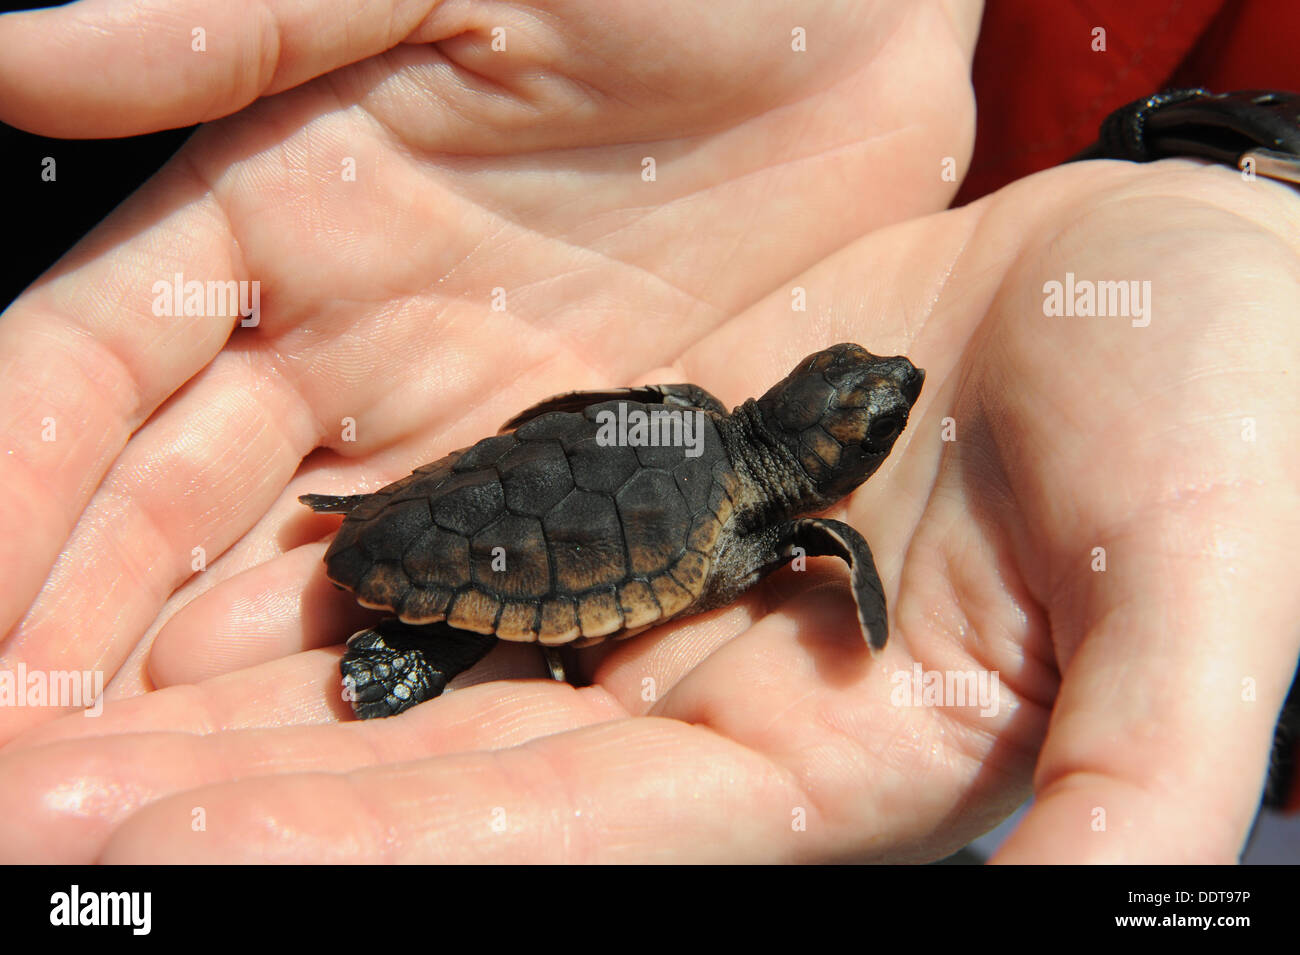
<point>48,218</point>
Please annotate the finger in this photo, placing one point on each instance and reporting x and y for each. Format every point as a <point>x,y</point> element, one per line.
<point>217,638</point>
<point>615,791</point>
<point>1160,740</point>
<point>61,798</point>
<point>302,689</point>
<point>141,67</point>
<point>79,371</point>
<point>188,484</point>
<point>293,691</point>
<point>276,609</point>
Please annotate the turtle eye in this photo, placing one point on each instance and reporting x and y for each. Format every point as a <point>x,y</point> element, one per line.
<point>885,430</point>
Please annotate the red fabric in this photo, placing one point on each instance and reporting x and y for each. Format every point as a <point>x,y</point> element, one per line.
<point>1041,90</point>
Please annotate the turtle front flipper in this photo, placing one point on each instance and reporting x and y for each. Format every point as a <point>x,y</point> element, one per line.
<point>819,537</point>
<point>393,665</point>
<point>679,396</point>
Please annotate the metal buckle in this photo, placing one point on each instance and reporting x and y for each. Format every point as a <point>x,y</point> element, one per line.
<point>1283,167</point>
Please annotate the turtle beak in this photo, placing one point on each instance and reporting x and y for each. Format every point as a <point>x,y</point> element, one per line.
<point>912,386</point>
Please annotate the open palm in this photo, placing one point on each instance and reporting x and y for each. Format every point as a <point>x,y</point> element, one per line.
<point>444,233</point>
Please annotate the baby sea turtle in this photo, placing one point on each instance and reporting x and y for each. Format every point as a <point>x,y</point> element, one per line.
<point>600,513</point>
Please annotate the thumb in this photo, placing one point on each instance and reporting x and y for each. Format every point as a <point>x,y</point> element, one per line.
<point>122,67</point>
<point>1160,738</point>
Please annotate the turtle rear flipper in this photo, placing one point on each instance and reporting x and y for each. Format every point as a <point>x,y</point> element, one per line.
<point>820,537</point>
<point>393,665</point>
<point>679,396</point>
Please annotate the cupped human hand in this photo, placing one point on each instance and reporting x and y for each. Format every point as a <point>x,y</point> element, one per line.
<point>766,731</point>
<point>441,232</point>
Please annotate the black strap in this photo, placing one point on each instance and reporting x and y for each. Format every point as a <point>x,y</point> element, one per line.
<point>1249,126</point>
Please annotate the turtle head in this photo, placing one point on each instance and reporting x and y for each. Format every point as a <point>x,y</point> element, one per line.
<point>839,413</point>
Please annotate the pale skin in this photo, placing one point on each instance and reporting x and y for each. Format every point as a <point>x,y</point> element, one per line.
<point>761,732</point>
